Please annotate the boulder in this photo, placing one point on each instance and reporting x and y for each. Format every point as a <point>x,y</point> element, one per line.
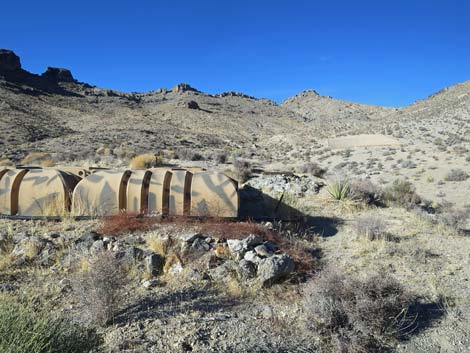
<point>87,239</point>
<point>97,247</point>
<point>154,264</point>
<point>239,247</point>
<point>245,270</point>
<point>223,272</point>
<point>192,105</point>
<point>130,256</point>
<point>252,256</point>
<point>273,268</point>
<point>57,74</point>
<point>263,250</point>
<point>189,237</point>
<point>28,248</point>
<point>9,61</point>
<point>200,245</point>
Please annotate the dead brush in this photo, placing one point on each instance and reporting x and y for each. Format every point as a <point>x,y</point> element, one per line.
<point>42,159</point>
<point>146,161</point>
<point>371,228</point>
<point>357,315</point>
<point>126,222</point>
<point>99,288</point>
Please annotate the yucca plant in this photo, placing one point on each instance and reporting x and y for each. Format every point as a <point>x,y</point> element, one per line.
<point>339,190</point>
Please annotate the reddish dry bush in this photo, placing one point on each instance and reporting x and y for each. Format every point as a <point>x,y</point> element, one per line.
<point>231,230</point>
<point>125,222</point>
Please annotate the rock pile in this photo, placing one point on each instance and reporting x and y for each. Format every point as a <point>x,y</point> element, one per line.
<point>298,185</point>
<point>252,261</point>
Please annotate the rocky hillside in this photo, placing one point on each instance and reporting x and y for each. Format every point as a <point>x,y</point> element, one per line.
<point>55,113</point>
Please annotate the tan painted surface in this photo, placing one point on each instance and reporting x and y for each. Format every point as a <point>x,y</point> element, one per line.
<point>137,191</point>
<point>9,187</point>
<point>174,192</point>
<point>180,192</point>
<point>213,194</point>
<point>45,192</point>
<point>159,191</point>
<point>101,193</point>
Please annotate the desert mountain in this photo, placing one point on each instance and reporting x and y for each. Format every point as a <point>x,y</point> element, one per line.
<point>53,112</point>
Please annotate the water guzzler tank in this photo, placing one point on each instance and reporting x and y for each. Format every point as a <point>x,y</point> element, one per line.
<point>162,191</point>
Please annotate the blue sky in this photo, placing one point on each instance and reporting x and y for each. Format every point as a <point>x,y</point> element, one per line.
<point>377,52</point>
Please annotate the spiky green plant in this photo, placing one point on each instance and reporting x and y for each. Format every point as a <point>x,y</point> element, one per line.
<point>339,190</point>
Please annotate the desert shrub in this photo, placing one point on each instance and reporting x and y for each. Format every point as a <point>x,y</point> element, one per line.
<point>455,219</point>
<point>242,169</point>
<point>6,162</point>
<point>190,155</point>
<point>220,157</point>
<point>408,164</point>
<point>25,328</point>
<point>401,192</point>
<point>371,227</point>
<point>367,192</point>
<point>456,175</point>
<point>125,222</point>
<point>340,189</point>
<point>99,288</point>
<point>146,161</point>
<point>313,169</point>
<point>103,151</point>
<point>38,158</point>
<point>357,315</point>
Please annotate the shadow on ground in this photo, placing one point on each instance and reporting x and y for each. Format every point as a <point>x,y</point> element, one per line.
<point>178,302</point>
<point>256,205</point>
<point>425,315</point>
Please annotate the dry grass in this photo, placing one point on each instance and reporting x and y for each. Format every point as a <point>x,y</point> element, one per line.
<point>42,159</point>
<point>5,162</point>
<point>159,245</point>
<point>125,222</point>
<point>146,161</point>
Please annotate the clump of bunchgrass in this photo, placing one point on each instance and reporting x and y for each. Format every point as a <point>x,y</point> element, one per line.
<point>27,328</point>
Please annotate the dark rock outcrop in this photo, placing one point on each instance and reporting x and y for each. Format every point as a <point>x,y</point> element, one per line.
<point>58,75</point>
<point>192,105</point>
<point>9,61</point>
